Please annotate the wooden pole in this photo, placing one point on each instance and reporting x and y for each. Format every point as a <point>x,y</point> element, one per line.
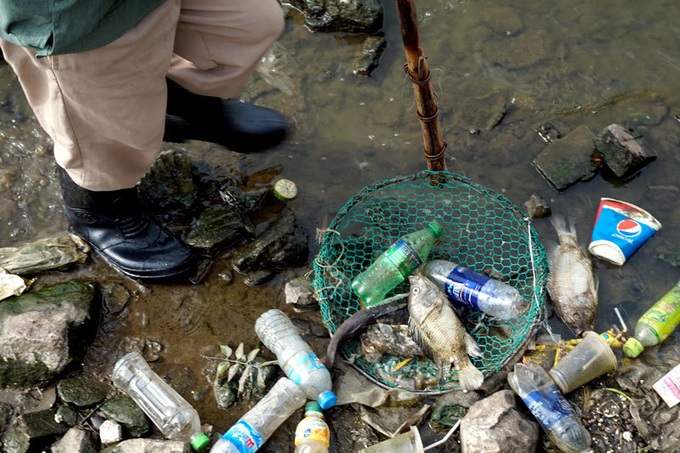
<point>418,72</point>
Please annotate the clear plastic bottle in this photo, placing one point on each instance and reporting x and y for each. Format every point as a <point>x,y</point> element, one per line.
<point>166,408</point>
<point>395,264</point>
<point>656,324</point>
<point>294,355</point>
<point>312,434</point>
<point>259,423</point>
<point>553,412</point>
<point>463,286</point>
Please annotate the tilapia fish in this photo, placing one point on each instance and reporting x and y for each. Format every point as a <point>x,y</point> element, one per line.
<point>572,286</point>
<point>436,328</point>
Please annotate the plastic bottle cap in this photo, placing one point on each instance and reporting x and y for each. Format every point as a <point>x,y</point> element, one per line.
<point>312,406</point>
<point>633,348</point>
<point>200,441</point>
<point>285,189</point>
<point>436,227</point>
<point>327,399</point>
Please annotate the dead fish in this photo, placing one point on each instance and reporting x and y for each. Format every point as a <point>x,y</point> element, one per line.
<point>572,286</point>
<point>436,328</point>
<point>395,339</point>
<point>359,320</point>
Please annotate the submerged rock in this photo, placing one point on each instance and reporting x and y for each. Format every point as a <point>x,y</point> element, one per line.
<point>350,16</point>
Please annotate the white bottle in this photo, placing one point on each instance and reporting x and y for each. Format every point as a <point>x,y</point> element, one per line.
<point>312,434</point>
<point>166,408</point>
<point>294,355</point>
<point>260,422</point>
<point>463,286</point>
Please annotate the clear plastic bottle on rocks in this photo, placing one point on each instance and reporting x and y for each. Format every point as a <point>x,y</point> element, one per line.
<point>395,264</point>
<point>295,357</point>
<point>656,324</point>
<point>553,412</point>
<point>166,408</point>
<point>259,423</point>
<point>312,434</point>
<point>466,287</point>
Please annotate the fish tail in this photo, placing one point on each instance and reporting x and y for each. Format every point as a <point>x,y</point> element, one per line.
<point>561,227</point>
<point>469,377</point>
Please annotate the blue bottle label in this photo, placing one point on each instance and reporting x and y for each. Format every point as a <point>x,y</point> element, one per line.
<point>404,258</point>
<point>303,365</point>
<point>244,437</point>
<point>549,407</point>
<point>463,285</point>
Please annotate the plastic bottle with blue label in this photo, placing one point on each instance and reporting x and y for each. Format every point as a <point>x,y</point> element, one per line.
<point>295,357</point>
<point>552,411</point>
<point>259,423</point>
<point>465,287</point>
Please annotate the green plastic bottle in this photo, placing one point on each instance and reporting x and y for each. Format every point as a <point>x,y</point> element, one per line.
<point>656,324</point>
<point>395,264</point>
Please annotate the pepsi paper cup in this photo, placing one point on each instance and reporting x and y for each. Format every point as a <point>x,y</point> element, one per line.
<point>620,229</point>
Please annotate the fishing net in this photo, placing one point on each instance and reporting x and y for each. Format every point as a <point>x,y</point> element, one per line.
<point>483,231</point>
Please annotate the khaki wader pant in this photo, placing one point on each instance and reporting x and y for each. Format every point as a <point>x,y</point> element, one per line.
<point>105,108</point>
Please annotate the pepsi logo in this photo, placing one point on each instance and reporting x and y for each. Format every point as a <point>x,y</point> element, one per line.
<point>628,228</point>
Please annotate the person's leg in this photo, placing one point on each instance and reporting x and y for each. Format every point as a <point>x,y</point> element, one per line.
<point>218,45</point>
<point>104,110</point>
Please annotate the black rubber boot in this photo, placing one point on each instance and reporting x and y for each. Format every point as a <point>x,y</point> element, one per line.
<point>113,223</point>
<point>236,125</point>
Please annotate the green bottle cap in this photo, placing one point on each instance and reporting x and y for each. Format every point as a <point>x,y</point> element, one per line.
<point>436,228</point>
<point>633,348</point>
<point>200,441</point>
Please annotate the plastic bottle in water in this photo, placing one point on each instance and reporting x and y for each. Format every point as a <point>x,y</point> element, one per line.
<point>259,423</point>
<point>553,412</point>
<point>312,434</point>
<point>395,264</point>
<point>656,324</point>
<point>294,355</point>
<point>171,413</point>
<point>466,287</point>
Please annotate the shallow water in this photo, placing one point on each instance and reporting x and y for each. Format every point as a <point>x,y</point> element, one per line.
<point>572,63</point>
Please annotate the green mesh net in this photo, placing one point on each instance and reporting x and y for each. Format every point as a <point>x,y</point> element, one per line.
<point>483,231</point>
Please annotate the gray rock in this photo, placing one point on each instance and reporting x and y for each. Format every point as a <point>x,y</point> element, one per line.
<point>76,440</point>
<point>149,446</point>
<point>350,16</point>
<point>6,411</point>
<point>281,246</point>
<point>481,113</point>
<point>125,411</point>
<point>493,425</point>
<point>80,391</point>
<point>451,407</point>
<point>67,415</point>
<point>115,297</point>
<point>168,188</point>
<point>369,56</point>
<point>217,227</point>
<point>623,153</point>
<point>569,160</point>
<point>32,431</point>
<point>537,207</point>
<point>300,294</point>
<point>41,332</point>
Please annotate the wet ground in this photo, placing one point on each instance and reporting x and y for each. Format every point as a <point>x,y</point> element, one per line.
<point>565,62</point>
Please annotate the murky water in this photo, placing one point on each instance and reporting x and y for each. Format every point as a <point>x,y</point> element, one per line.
<point>573,63</point>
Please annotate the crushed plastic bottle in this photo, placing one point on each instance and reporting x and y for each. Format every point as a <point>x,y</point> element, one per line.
<point>166,408</point>
<point>295,357</point>
<point>252,430</point>
<point>395,264</point>
<point>553,412</point>
<point>312,434</point>
<point>656,324</point>
<point>477,291</point>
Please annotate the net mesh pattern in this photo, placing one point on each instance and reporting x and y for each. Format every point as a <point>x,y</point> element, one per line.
<point>483,231</point>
